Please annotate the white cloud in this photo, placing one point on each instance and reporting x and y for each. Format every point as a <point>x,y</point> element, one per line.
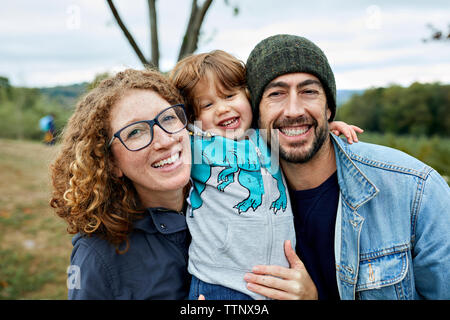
<point>42,45</point>
<point>362,53</point>
<point>402,75</point>
<point>55,77</point>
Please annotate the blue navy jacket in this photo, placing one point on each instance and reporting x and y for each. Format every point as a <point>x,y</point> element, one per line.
<point>154,267</point>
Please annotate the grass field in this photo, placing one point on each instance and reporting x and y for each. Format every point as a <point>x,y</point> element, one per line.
<point>34,245</point>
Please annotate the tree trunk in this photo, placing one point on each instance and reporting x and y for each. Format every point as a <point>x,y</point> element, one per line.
<point>190,39</point>
<point>127,33</point>
<point>154,46</point>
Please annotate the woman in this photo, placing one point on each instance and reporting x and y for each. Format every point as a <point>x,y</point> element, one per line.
<point>120,183</point>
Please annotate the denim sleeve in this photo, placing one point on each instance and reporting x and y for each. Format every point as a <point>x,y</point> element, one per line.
<point>88,275</point>
<point>431,255</point>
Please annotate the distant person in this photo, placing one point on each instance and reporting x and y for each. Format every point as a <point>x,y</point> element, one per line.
<point>371,222</point>
<point>47,125</point>
<point>239,209</point>
<point>120,182</point>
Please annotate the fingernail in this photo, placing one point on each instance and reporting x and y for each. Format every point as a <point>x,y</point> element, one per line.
<point>256,269</point>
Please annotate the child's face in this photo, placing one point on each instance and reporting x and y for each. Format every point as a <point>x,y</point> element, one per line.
<point>226,113</point>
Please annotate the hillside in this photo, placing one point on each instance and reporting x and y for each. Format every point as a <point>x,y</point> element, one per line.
<point>67,95</point>
<point>342,96</point>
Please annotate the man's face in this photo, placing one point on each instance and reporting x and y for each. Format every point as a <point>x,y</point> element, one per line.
<point>295,105</point>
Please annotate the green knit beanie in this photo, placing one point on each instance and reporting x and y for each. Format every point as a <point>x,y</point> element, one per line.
<point>282,54</point>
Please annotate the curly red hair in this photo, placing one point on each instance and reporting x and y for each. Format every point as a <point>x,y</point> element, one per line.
<point>86,194</point>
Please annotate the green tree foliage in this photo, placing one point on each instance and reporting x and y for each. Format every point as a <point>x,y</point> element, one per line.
<point>21,109</point>
<point>98,78</point>
<point>434,151</point>
<point>420,109</point>
<point>67,95</point>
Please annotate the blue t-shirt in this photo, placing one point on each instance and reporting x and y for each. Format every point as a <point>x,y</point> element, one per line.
<point>314,219</point>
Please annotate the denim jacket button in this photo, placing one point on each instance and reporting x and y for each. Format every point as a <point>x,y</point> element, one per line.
<point>163,226</point>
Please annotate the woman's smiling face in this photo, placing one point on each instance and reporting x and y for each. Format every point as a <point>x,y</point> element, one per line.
<point>165,164</point>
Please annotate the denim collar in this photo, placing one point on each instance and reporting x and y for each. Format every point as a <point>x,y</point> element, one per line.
<point>356,188</point>
<point>161,220</point>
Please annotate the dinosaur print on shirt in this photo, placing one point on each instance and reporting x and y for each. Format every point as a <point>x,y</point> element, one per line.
<point>246,159</point>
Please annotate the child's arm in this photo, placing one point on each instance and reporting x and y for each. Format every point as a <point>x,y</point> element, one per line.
<point>349,131</point>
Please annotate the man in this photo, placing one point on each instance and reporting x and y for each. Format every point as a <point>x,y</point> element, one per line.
<point>371,222</point>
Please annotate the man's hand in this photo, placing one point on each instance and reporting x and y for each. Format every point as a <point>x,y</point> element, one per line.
<point>282,283</point>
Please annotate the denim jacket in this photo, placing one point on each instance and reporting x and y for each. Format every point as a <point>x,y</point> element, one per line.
<point>392,237</point>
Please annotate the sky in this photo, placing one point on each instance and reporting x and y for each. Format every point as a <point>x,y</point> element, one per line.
<point>368,43</point>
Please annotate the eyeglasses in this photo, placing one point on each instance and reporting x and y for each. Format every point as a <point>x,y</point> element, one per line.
<point>138,135</point>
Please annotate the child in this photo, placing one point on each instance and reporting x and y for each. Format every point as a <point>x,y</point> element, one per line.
<point>239,210</point>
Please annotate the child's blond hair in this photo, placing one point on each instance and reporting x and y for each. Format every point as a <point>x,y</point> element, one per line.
<point>227,71</point>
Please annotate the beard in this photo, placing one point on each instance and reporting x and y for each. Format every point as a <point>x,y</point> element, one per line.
<point>300,152</point>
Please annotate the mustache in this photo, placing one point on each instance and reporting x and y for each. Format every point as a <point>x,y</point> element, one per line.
<point>292,122</point>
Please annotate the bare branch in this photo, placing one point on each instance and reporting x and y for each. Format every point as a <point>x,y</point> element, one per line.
<point>436,35</point>
<point>198,23</point>
<point>154,47</point>
<point>127,33</point>
<point>185,41</point>
<point>191,35</point>
<point>190,39</point>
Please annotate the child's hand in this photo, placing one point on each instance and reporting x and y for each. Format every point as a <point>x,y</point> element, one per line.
<point>349,131</point>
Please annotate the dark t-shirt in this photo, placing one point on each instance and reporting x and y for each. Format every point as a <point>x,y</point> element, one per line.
<point>314,218</point>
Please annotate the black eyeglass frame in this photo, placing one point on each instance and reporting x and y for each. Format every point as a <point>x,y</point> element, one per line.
<point>151,123</point>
